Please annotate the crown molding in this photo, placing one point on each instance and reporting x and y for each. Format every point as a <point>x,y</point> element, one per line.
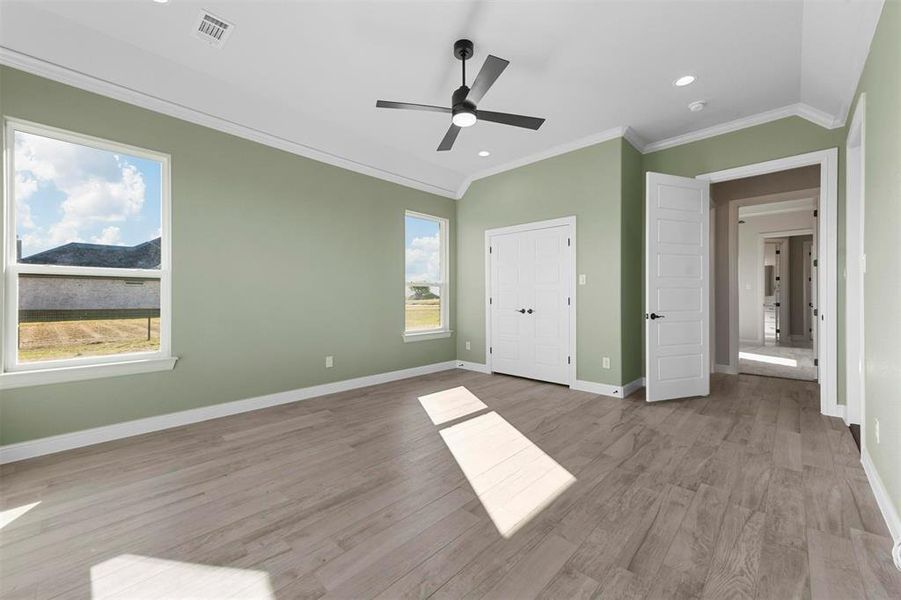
<point>89,83</point>
<point>102,87</point>
<point>636,140</point>
<point>590,140</point>
<point>819,117</point>
<point>799,109</point>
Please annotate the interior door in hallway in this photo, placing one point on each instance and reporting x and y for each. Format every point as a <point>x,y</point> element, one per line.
<point>677,255</point>
<point>530,303</point>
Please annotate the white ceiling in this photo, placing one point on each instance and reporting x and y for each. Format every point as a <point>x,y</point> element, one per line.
<point>305,76</point>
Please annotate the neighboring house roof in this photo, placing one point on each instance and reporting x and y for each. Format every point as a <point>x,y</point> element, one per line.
<point>142,256</point>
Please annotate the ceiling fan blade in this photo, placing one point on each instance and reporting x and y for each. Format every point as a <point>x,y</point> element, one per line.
<point>490,71</point>
<point>509,119</point>
<point>410,106</point>
<point>448,142</point>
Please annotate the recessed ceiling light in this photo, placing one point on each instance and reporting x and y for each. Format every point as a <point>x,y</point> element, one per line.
<point>484,153</point>
<point>684,80</point>
<point>698,105</point>
<point>161,1</point>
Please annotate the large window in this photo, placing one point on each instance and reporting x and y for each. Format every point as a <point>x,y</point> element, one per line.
<point>425,285</point>
<point>86,256</point>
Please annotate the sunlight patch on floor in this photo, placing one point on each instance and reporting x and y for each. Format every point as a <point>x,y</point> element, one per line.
<point>11,514</point>
<point>451,404</point>
<point>773,360</point>
<point>137,577</point>
<point>513,478</point>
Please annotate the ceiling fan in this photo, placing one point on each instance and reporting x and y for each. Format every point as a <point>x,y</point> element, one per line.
<point>464,111</point>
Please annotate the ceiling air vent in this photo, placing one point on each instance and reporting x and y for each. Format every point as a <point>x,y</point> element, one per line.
<point>212,30</point>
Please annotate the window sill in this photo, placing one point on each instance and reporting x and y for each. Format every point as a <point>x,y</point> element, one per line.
<point>427,335</point>
<point>17,379</point>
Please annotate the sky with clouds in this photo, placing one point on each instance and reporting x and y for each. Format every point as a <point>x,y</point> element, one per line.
<point>71,193</point>
<point>423,250</point>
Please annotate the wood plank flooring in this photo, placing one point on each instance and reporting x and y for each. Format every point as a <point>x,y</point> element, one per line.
<point>748,493</point>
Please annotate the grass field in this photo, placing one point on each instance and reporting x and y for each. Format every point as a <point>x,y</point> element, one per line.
<point>71,339</point>
<point>422,314</point>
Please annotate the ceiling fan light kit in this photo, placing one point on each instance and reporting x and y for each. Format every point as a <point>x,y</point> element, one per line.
<point>464,110</point>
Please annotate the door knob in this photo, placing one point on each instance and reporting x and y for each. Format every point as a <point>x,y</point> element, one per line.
<point>656,316</point>
<point>521,310</point>
<point>530,311</point>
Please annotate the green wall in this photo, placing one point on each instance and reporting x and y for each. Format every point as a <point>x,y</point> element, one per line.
<point>585,183</point>
<point>268,277</point>
<point>881,81</point>
<point>632,259</point>
<point>769,141</point>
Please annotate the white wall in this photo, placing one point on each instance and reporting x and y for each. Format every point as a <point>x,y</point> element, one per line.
<point>750,309</point>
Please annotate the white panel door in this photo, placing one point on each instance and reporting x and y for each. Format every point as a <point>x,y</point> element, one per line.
<point>529,303</point>
<point>677,335</point>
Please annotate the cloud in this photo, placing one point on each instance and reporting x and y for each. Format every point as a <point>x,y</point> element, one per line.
<point>25,187</point>
<point>98,187</point>
<point>423,259</point>
<point>110,236</point>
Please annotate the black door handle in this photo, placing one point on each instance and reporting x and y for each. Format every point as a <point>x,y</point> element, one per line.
<point>530,311</point>
<point>656,316</point>
<point>521,310</point>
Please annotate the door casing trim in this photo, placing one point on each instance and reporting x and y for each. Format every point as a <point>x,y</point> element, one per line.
<point>573,312</point>
<point>827,255</point>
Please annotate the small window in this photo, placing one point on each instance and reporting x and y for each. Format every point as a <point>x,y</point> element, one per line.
<point>87,261</point>
<point>425,286</point>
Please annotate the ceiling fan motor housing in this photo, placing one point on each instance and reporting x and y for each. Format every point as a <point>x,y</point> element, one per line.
<point>459,103</point>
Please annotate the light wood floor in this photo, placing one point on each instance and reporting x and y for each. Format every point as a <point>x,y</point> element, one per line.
<point>749,493</point>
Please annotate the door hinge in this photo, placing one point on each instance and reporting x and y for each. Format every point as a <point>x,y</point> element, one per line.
<point>815,262</point>
<point>816,362</point>
<point>777,330</point>
<point>778,304</point>
<point>569,242</point>
<point>569,360</point>
<point>490,300</point>
<point>778,278</point>
<point>490,249</point>
<point>569,301</point>
<point>778,252</point>
<point>490,350</point>
<point>815,212</point>
<point>816,312</point>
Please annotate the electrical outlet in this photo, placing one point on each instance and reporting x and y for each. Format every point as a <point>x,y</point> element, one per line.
<point>468,345</point>
<point>876,429</point>
<point>582,279</point>
<point>329,362</point>
<point>606,362</point>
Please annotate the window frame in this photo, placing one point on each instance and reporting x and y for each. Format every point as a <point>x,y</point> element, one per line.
<point>16,374</point>
<point>444,330</point>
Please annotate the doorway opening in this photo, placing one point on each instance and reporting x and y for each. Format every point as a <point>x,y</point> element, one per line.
<point>776,281</point>
<point>807,185</point>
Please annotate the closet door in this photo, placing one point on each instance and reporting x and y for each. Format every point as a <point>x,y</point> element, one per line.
<point>530,305</point>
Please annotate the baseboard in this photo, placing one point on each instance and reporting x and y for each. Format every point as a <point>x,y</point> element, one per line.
<point>633,386</point>
<point>836,410</point>
<point>604,389</point>
<point>472,366</point>
<point>889,511</point>
<point>727,369</point>
<point>68,441</point>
